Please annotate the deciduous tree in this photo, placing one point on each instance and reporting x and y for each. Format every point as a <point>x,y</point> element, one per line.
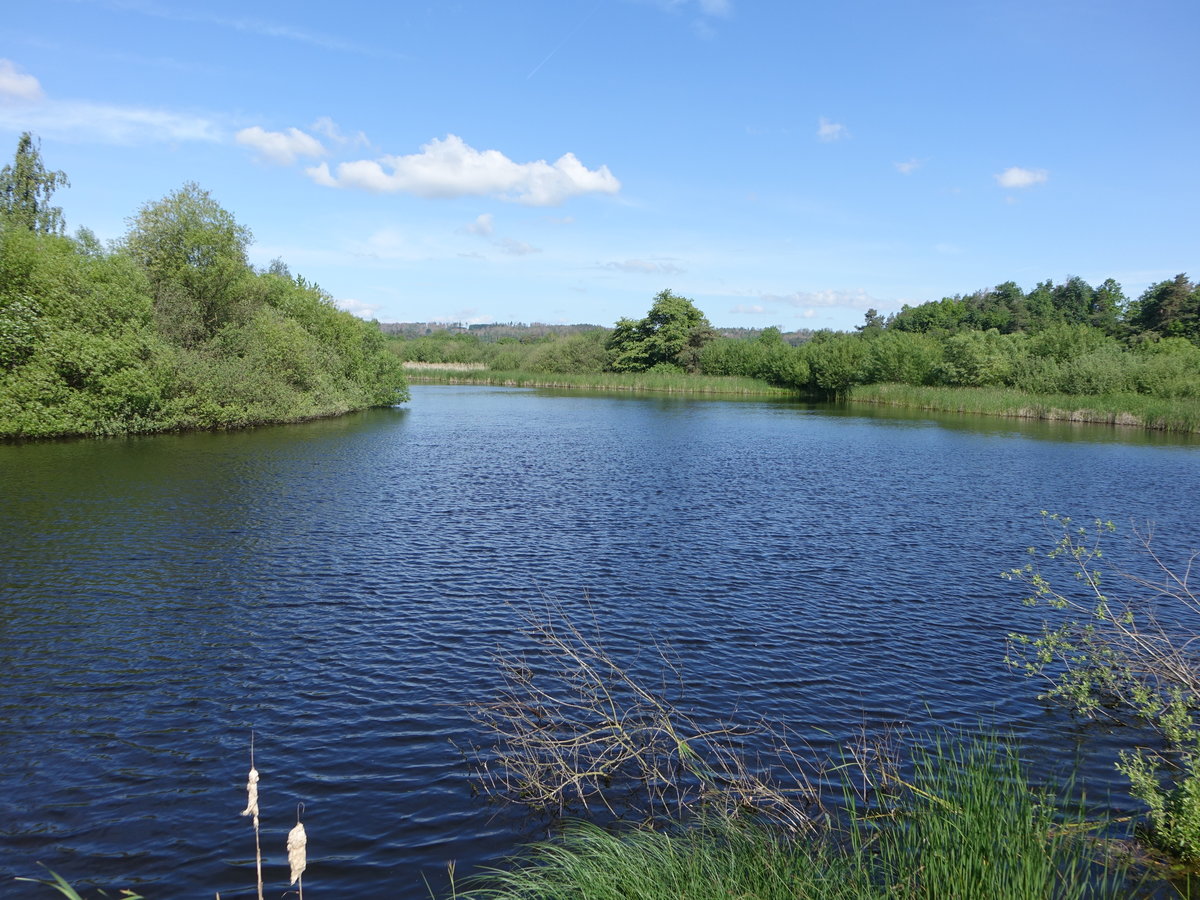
<point>26,188</point>
<point>672,333</point>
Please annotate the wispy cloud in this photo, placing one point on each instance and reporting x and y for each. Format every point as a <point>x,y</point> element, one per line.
<point>831,131</point>
<point>451,168</point>
<point>16,84</point>
<point>280,147</point>
<point>328,128</point>
<point>713,8</point>
<point>482,225</point>
<point>513,247</point>
<point>25,107</point>
<point>122,125</point>
<point>1016,177</point>
<point>748,309</point>
<point>703,13</point>
<point>249,25</point>
<point>855,299</point>
<point>358,308</point>
<point>644,267</point>
<point>908,167</point>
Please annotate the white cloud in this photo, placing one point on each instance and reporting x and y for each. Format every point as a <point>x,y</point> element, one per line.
<point>358,308</point>
<point>752,309</point>
<point>17,85</point>
<point>704,7</point>
<point>644,267</point>
<point>482,225</point>
<point>251,26</point>
<point>1016,177</point>
<point>908,167</point>
<point>451,168</point>
<point>122,125</point>
<point>515,247</point>
<point>857,299</point>
<point>831,131</point>
<point>389,243</point>
<point>279,147</point>
<point>326,127</point>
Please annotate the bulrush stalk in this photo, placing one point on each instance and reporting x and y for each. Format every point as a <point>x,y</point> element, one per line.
<point>252,810</point>
<point>297,841</point>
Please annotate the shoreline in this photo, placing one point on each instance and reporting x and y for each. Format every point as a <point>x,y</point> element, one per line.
<point>1124,411</point>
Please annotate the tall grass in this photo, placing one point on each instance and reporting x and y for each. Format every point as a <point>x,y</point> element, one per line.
<point>661,382</point>
<point>1157,413</point>
<point>967,824</point>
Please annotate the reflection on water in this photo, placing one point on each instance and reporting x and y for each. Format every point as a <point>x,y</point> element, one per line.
<point>339,586</point>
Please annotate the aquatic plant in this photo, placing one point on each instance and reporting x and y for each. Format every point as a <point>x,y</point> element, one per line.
<point>574,728</point>
<point>1121,657</point>
<point>967,823</point>
<point>252,810</point>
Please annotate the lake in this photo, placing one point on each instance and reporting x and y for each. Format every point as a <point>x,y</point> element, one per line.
<point>339,587</point>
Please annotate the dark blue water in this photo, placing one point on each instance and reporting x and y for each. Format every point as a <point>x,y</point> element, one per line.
<point>338,588</point>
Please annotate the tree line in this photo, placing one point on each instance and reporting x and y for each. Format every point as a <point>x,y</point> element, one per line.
<point>167,328</point>
<point>1068,338</point>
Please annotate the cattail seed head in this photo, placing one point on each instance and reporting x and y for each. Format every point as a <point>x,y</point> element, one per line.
<point>297,841</point>
<point>252,795</point>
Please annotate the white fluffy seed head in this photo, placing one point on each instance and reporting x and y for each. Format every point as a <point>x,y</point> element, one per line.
<point>297,841</point>
<point>251,795</point>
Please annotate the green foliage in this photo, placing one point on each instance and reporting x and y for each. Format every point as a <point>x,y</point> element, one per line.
<point>115,343</point>
<point>903,357</point>
<point>837,363</point>
<point>26,188</point>
<point>1168,309</point>
<point>1104,655</point>
<point>978,358</point>
<point>584,353</point>
<point>194,253</point>
<point>673,333</point>
<point>64,887</point>
<point>968,824</point>
<point>947,314</point>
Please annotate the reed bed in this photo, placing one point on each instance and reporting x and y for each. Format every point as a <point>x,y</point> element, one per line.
<point>1139,410</point>
<point>657,382</point>
<point>968,823</point>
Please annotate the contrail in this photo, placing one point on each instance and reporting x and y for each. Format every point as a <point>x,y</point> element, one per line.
<point>570,34</point>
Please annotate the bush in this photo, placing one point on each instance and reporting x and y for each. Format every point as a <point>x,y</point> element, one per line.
<point>1123,658</point>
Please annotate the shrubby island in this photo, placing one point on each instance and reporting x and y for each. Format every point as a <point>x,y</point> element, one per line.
<point>168,329</point>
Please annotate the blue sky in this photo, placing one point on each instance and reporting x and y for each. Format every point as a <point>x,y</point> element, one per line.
<point>785,163</point>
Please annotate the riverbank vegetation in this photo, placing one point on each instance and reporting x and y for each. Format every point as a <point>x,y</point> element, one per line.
<point>968,823</point>
<point>956,815</point>
<point>1062,351</point>
<point>656,382</point>
<point>169,328</point>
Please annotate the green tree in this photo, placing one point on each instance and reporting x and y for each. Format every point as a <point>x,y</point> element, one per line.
<point>873,323</point>
<point>837,363</point>
<point>1169,308</point>
<point>1108,305</point>
<point>26,187</point>
<point>194,253</point>
<point>673,334</point>
<point>1073,299</point>
<point>946,314</point>
<point>1040,305</point>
